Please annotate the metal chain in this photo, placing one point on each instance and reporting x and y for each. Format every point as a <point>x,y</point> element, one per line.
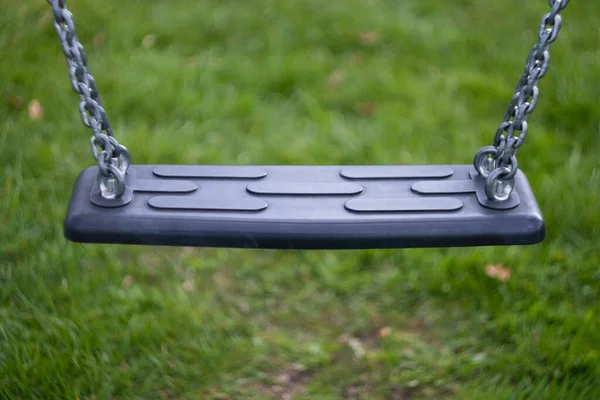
<point>113,159</point>
<point>498,163</point>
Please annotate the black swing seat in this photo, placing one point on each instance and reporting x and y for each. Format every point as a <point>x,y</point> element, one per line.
<point>303,207</point>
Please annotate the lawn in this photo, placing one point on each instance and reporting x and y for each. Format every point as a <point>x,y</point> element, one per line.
<point>298,82</point>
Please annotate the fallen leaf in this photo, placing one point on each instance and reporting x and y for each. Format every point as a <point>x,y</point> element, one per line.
<point>369,37</point>
<point>187,285</point>
<point>383,332</point>
<point>36,112</point>
<point>244,307</point>
<point>357,57</point>
<point>282,378</point>
<point>498,272</point>
<point>298,367</point>
<point>277,389</point>
<point>127,281</point>
<point>335,80</point>
<point>357,347</point>
<point>99,39</point>
<point>367,109</point>
<point>148,41</point>
<point>191,62</point>
<point>16,102</point>
<point>344,338</point>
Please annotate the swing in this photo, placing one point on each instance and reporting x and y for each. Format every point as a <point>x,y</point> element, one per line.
<point>306,207</point>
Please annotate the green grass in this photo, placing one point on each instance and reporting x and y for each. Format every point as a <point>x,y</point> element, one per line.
<point>298,82</point>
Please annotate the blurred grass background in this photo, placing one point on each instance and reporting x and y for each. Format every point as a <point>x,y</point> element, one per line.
<point>298,82</point>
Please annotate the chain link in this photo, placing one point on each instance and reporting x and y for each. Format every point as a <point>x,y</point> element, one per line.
<point>110,155</point>
<point>498,163</point>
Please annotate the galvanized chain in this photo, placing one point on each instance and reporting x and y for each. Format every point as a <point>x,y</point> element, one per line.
<point>498,163</point>
<point>113,158</point>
